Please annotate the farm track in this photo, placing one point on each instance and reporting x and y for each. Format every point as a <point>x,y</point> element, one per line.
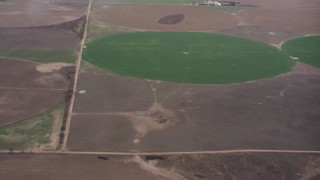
<point>78,63</point>
<point>170,153</point>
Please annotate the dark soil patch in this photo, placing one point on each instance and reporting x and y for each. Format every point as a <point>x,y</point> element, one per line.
<point>172,19</point>
<point>148,158</point>
<point>103,158</point>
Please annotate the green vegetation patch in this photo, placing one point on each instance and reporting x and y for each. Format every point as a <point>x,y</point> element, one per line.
<point>307,49</point>
<point>41,56</point>
<point>31,133</point>
<point>186,57</point>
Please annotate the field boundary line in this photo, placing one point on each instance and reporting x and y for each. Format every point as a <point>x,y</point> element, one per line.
<point>78,63</point>
<point>21,59</point>
<point>105,113</point>
<point>167,153</point>
<point>48,89</point>
<point>196,152</point>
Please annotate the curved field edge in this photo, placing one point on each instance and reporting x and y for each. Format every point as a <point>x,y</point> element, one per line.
<point>34,132</point>
<point>305,49</point>
<point>187,57</point>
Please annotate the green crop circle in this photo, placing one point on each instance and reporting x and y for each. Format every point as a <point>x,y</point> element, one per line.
<point>187,57</point>
<point>304,49</point>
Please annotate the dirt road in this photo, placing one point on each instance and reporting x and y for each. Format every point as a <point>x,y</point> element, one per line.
<point>78,63</point>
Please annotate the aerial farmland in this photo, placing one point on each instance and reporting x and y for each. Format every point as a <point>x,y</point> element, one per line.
<point>159,89</point>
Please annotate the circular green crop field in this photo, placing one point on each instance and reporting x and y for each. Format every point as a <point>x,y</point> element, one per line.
<point>187,57</point>
<point>306,49</point>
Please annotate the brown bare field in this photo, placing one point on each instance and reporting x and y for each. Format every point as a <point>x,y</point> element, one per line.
<point>38,25</point>
<point>52,167</point>
<point>147,17</point>
<point>270,22</point>
<point>32,13</point>
<point>274,113</point>
<point>39,38</point>
<point>99,131</point>
<point>122,99</point>
<point>260,34</point>
<point>26,92</point>
<point>283,3</point>
<point>17,105</point>
<point>264,166</point>
<point>303,21</point>
<point>249,166</point>
<point>23,74</point>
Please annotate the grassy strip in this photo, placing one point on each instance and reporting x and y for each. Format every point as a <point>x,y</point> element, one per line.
<point>187,57</point>
<point>31,133</point>
<point>305,48</point>
<point>40,56</point>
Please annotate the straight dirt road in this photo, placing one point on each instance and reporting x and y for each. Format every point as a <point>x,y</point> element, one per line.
<point>78,63</point>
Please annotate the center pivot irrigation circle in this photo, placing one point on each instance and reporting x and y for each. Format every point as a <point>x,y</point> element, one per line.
<point>187,57</point>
